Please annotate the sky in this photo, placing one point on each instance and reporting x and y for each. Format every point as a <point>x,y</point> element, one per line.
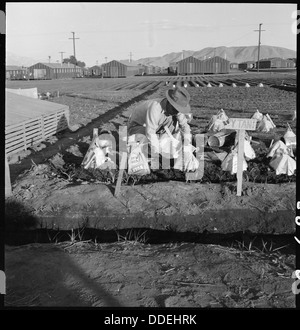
<point>111,31</point>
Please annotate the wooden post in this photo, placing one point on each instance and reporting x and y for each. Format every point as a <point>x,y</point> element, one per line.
<point>241,125</point>
<point>8,190</point>
<point>121,171</point>
<point>240,162</point>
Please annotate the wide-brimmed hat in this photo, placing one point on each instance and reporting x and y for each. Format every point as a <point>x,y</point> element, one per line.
<point>179,99</point>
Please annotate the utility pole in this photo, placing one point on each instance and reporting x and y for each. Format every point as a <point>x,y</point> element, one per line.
<point>130,57</point>
<point>74,51</point>
<point>183,54</point>
<point>260,30</point>
<point>49,58</point>
<point>61,53</point>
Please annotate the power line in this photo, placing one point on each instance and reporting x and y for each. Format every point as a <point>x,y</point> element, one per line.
<point>260,30</point>
<point>243,36</point>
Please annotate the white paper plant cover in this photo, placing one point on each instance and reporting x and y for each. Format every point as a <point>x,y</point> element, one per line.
<point>280,148</point>
<point>105,145</point>
<point>212,121</point>
<point>221,85</point>
<point>257,115</point>
<point>218,121</point>
<point>169,146</point>
<point>266,124</point>
<point>248,151</point>
<point>247,85</point>
<point>187,161</point>
<point>283,164</point>
<point>233,85</point>
<point>229,164</point>
<point>97,153</point>
<point>222,115</point>
<point>191,163</point>
<point>137,161</point>
<point>260,85</point>
<point>290,138</point>
<point>217,125</point>
<point>209,85</point>
<point>270,120</point>
<point>281,161</point>
<point>99,157</point>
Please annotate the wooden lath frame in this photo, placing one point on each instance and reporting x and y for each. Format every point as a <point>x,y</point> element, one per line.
<point>33,131</point>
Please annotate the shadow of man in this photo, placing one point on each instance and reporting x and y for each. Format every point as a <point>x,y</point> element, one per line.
<point>45,275</point>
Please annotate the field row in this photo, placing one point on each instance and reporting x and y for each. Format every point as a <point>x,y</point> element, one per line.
<point>284,80</point>
<point>144,83</point>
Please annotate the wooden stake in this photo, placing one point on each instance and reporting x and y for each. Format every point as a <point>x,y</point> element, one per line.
<point>8,190</point>
<point>120,175</point>
<point>240,161</point>
<point>95,132</point>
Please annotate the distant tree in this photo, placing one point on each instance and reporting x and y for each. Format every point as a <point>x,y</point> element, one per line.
<point>72,60</point>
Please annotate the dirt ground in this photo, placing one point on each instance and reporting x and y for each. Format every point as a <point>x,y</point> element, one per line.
<point>133,274</point>
<point>130,272</point>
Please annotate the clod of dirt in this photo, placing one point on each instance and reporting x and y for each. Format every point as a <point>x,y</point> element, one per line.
<point>74,149</point>
<point>86,139</point>
<point>37,147</point>
<point>57,160</point>
<point>51,139</point>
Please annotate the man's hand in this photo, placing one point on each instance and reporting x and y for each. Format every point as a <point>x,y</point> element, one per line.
<point>183,124</point>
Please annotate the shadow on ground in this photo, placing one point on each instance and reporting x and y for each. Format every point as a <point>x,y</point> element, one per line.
<point>64,285</point>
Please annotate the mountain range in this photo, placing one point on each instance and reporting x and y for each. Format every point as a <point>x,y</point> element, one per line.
<point>232,54</point>
<point>13,59</point>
